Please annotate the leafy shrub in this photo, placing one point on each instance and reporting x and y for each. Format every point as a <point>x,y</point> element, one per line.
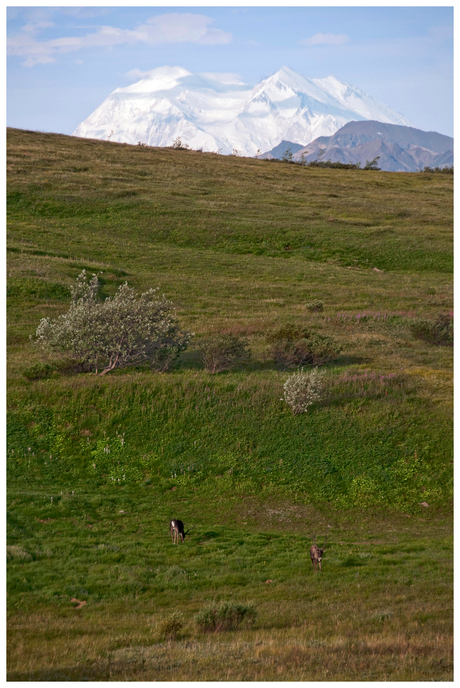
<point>290,331</point>
<point>372,164</point>
<point>170,627</point>
<point>293,345</point>
<point>178,145</point>
<point>439,332</point>
<point>287,155</point>
<point>334,165</point>
<point>315,306</point>
<point>224,617</point>
<point>166,355</point>
<point>441,170</point>
<point>38,371</point>
<point>221,351</point>
<point>302,389</point>
<point>117,332</point>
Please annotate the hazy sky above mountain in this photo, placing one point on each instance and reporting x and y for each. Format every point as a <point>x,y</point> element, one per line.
<point>64,61</point>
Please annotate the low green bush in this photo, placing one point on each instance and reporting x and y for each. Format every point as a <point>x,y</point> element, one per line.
<point>439,332</point>
<point>222,351</point>
<point>165,356</point>
<point>290,331</point>
<point>224,617</point>
<point>38,371</point>
<point>315,350</point>
<point>315,306</point>
<point>294,345</point>
<point>439,170</point>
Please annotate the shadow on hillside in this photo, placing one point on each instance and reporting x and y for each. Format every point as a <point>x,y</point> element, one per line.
<point>74,673</point>
<point>191,360</point>
<point>100,671</point>
<point>344,360</point>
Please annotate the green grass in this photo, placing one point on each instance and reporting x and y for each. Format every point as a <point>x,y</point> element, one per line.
<point>126,199</point>
<point>382,598</point>
<point>240,246</point>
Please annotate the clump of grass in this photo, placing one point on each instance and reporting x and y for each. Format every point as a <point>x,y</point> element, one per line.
<point>439,332</point>
<point>315,306</point>
<point>170,627</point>
<point>18,553</point>
<point>226,616</point>
<point>382,615</point>
<point>174,572</point>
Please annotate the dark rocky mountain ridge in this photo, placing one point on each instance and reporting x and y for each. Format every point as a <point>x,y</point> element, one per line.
<point>399,148</point>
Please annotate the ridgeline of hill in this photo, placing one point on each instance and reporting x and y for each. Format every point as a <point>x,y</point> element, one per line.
<point>242,246</point>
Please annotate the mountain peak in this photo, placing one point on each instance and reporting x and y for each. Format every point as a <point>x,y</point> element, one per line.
<point>159,79</point>
<point>286,71</point>
<point>287,76</point>
<point>214,113</point>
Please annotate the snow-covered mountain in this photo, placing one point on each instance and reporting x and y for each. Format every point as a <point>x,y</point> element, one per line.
<point>219,113</point>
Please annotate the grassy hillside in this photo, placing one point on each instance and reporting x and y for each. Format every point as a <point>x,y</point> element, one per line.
<point>240,246</point>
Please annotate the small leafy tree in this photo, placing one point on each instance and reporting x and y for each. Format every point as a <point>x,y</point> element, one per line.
<point>372,164</point>
<point>121,331</point>
<point>287,155</point>
<point>221,351</point>
<point>179,145</point>
<point>302,389</point>
<point>320,154</point>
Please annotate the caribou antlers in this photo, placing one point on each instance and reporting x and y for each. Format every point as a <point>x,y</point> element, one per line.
<point>316,553</point>
<point>176,529</point>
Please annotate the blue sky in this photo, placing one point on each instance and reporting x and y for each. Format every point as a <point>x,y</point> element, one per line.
<point>64,61</point>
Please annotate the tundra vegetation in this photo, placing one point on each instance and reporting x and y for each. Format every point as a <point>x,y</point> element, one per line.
<point>98,465</point>
<point>117,332</point>
<point>302,389</point>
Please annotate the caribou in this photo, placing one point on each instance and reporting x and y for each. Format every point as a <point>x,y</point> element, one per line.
<point>316,554</point>
<point>176,529</point>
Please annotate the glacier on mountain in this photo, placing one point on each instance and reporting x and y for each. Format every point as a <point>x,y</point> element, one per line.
<point>219,113</point>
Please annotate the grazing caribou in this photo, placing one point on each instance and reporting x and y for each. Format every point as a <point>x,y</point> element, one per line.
<point>316,553</point>
<point>176,528</point>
